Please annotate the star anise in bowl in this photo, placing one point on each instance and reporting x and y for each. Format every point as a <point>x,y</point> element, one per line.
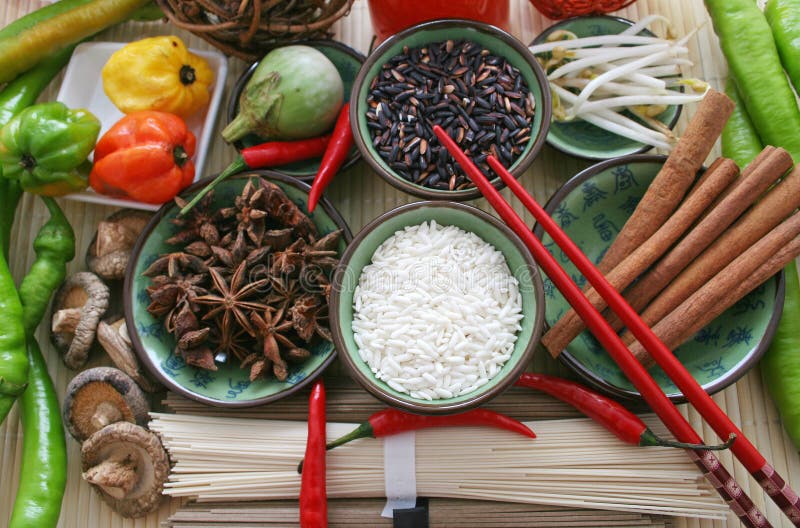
<point>247,282</point>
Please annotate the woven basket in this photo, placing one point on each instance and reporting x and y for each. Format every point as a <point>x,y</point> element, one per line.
<point>249,28</point>
<point>558,9</point>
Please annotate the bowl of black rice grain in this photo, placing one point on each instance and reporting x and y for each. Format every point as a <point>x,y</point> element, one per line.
<point>477,82</point>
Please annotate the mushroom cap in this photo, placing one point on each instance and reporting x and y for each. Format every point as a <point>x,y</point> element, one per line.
<point>100,396</point>
<point>78,305</point>
<point>127,465</point>
<point>113,337</point>
<point>109,250</point>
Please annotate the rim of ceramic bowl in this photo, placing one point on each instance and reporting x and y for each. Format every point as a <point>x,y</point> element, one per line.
<point>598,382</point>
<point>574,152</point>
<point>138,347</point>
<point>368,382</point>
<point>238,87</point>
<point>520,165</point>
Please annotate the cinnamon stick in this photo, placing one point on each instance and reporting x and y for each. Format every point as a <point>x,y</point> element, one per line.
<point>768,168</point>
<point>767,213</point>
<point>762,260</point>
<point>716,179</point>
<point>674,179</point>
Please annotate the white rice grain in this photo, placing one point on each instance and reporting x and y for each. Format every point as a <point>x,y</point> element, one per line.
<point>436,312</point>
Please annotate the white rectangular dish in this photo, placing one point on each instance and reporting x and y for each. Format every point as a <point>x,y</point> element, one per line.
<point>83,88</point>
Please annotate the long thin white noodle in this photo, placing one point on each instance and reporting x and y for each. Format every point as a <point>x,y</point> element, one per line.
<point>572,463</point>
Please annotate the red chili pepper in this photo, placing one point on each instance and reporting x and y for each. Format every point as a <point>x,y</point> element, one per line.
<point>269,154</point>
<point>617,419</point>
<point>392,421</point>
<point>334,156</point>
<point>313,499</point>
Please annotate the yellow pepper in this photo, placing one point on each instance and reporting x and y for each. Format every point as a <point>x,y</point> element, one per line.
<point>157,73</point>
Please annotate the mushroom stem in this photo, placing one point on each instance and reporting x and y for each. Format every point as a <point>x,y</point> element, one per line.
<point>115,477</point>
<point>66,320</point>
<point>106,413</point>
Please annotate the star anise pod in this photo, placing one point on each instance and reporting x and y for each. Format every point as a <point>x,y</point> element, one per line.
<point>233,299</point>
<point>229,341</point>
<point>278,239</point>
<point>183,320</point>
<point>271,330</point>
<point>197,224</point>
<point>289,262</point>
<point>309,317</point>
<point>248,213</point>
<point>200,357</point>
<point>284,291</point>
<point>284,211</point>
<point>175,263</point>
<point>232,255</point>
<point>169,291</point>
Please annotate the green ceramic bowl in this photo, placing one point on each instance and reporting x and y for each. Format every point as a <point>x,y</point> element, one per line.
<point>591,208</point>
<point>579,138</point>
<point>229,386</point>
<point>347,61</point>
<point>493,39</point>
<point>359,254</point>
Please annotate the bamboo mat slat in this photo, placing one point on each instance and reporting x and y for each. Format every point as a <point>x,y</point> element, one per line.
<point>443,514</point>
<point>360,196</point>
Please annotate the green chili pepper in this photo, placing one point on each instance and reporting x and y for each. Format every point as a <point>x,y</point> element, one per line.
<point>54,246</point>
<point>45,148</point>
<point>740,141</point>
<point>747,43</point>
<point>780,366</point>
<point>44,451</point>
<point>43,474</point>
<point>783,17</point>
<point>13,359</point>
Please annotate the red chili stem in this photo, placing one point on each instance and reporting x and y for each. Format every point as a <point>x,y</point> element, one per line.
<point>392,421</point>
<point>618,420</point>
<point>269,154</point>
<point>334,156</point>
<point>313,498</point>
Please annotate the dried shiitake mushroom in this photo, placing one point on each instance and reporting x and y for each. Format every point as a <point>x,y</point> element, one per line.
<point>78,305</point>
<point>108,253</point>
<point>127,465</point>
<point>101,396</point>
<point>113,337</point>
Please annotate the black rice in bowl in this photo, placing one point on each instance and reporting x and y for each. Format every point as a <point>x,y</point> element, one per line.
<point>479,98</point>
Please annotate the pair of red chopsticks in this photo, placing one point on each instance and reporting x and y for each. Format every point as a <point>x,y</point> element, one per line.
<point>742,448</point>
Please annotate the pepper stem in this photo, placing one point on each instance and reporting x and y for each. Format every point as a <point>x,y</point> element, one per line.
<point>649,438</point>
<point>179,156</point>
<point>237,166</point>
<point>187,75</point>
<point>362,431</point>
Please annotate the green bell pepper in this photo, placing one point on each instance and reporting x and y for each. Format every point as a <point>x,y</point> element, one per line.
<point>45,148</point>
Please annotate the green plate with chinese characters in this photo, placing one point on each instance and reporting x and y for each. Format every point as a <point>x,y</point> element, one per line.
<point>229,386</point>
<point>591,208</point>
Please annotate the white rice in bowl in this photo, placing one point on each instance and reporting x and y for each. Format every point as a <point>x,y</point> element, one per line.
<point>437,311</point>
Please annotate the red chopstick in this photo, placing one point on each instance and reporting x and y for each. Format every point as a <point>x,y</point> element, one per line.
<point>722,481</point>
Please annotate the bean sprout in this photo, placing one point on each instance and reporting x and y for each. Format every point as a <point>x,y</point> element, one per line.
<point>621,82</point>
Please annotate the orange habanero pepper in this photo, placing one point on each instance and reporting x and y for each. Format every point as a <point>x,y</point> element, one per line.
<point>145,157</point>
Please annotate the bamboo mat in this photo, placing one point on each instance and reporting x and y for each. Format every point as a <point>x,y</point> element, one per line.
<point>360,196</point>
